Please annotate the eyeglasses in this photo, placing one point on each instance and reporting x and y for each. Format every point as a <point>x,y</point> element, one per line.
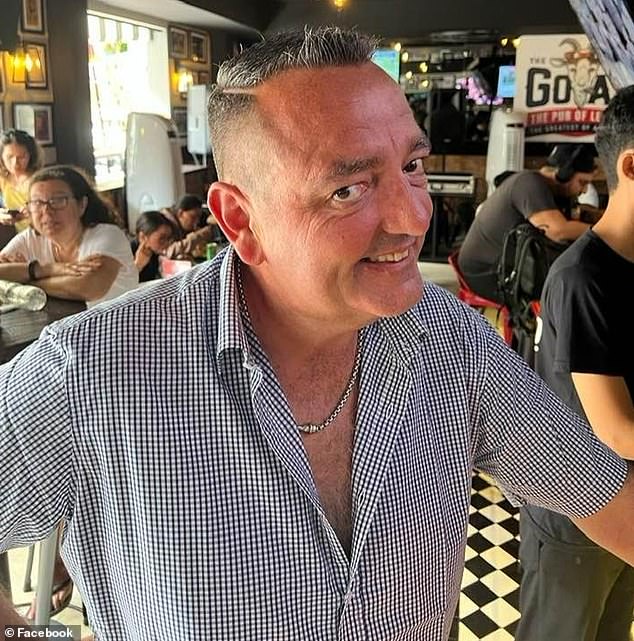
<point>55,203</point>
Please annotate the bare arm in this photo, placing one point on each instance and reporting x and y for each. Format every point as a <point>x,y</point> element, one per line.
<point>194,244</point>
<point>611,527</point>
<point>14,268</point>
<point>142,256</point>
<point>84,280</point>
<point>556,226</point>
<point>609,408</point>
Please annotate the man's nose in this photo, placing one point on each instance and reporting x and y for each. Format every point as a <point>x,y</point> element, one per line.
<point>406,209</point>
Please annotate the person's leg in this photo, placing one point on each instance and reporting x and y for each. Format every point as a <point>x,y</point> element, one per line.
<point>616,622</point>
<point>529,586</point>
<point>563,589</point>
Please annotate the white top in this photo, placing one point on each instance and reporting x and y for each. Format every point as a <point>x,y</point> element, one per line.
<point>104,239</point>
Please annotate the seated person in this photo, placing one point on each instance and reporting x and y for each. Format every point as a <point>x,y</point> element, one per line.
<point>525,195</point>
<point>154,232</point>
<point>191,238</point>
<point>20,158</point>
<point>74,249</point>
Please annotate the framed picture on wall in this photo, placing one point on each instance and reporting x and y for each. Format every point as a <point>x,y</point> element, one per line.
<point>37,76</point>
<point>36,119</point>
<point>32,16</point>
<point>199,47</point>
<point>178,43</point>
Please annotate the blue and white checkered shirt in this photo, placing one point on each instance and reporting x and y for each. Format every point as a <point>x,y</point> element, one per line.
<point>165,443</point>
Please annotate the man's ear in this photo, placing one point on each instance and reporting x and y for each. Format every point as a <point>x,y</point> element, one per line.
<point>231,209</point>
<point>626,164</point>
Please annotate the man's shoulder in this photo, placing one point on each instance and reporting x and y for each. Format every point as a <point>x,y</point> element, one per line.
<point>576,259</point>
<point>437,306</point>
<point>500,200</point>
<point>527,179</point>
<point>577,271</point>
<point>143,312</point>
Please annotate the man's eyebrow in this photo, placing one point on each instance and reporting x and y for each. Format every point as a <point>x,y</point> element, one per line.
<point>343,168</point>
<point>420,143</point>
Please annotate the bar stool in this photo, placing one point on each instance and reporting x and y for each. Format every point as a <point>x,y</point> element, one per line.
<point>468,296</point>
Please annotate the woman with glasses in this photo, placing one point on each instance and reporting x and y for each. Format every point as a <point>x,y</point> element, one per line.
<point>20,158</point>
<point>74,248</point>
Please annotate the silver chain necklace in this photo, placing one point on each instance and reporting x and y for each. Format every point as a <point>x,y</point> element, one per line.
<point>310,428</point>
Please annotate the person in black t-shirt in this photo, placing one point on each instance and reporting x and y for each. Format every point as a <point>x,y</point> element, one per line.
<point>573,590</point>
<point>154,233</point>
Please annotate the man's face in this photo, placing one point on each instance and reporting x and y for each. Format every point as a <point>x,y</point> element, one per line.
<point>578,183</point>
<point>345,207</point>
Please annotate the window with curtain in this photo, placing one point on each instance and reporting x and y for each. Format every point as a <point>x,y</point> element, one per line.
<point>129,71</point>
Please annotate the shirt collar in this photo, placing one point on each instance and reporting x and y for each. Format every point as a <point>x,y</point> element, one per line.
<point>404,332</point>
<point>231,333</point>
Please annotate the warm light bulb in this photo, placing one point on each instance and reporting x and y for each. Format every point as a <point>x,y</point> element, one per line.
<point>397,46</point>
<point>404,56</point>
<point>408,75</point>
<point>516,42</point>
<point>185,79</point>
<point>423,67</point>
<point>504,42</point>
<point>340,4</point>
<point>19,60</point>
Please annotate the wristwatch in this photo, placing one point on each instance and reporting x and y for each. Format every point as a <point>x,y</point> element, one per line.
<point>31,269</point>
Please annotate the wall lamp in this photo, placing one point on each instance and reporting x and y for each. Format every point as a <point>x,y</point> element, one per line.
<point>26,64</point>
<point>185,80</point>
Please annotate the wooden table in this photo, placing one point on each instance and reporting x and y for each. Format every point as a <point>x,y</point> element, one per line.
<point>18,329</point>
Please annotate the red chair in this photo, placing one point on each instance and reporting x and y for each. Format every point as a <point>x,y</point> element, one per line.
<point>468,296</point>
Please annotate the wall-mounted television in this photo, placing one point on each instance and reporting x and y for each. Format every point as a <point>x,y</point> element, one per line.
<point>609,25</point>
<point>506,81</point>
<point>389,60</point>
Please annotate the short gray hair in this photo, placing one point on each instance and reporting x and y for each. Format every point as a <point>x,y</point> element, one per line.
<point>307,48</point>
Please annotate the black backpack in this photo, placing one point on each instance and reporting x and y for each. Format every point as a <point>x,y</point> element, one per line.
<point>527,255</point>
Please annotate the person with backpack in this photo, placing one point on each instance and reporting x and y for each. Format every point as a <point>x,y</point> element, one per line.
<point>573,590</point>
<point>533,196</point>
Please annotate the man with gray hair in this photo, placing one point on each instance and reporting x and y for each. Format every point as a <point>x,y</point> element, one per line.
<point>319,488</point>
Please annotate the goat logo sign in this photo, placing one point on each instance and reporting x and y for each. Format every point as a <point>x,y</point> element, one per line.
<point>561,87</point>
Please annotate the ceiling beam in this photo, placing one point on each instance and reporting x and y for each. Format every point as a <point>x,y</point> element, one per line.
<point>253,13</point>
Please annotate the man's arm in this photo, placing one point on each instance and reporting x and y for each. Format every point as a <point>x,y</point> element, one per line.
<point>611,527</point>
<point>194,244</point>
<point>556,226</point>
<point>608,406</point>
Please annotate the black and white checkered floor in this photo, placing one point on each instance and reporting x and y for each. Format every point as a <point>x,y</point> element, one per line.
<point>489,609</point>
<point>489,600</point>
